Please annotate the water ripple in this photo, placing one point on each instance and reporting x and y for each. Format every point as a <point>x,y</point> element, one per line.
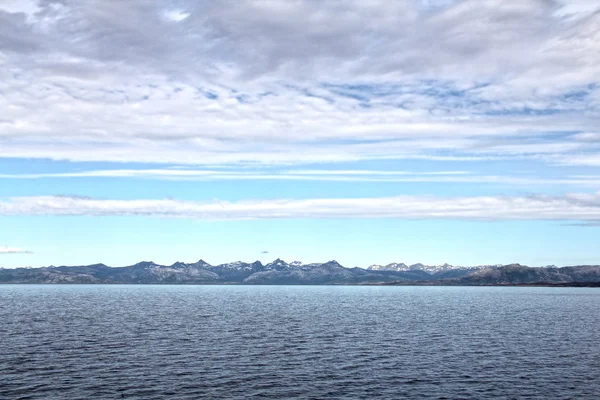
<point>274,342</point>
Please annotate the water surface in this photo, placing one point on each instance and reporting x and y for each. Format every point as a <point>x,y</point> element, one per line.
<point>304,342</point>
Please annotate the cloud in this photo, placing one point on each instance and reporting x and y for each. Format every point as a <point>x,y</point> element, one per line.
<point>299,82</point>
<point>381,176</point>
<point>13,250</point>
<point>176,15</point>
<point>588,137</point>
<point>571,207</point>
<point>264,252</point>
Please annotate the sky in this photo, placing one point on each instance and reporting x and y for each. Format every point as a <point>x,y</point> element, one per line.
<point>366,131</point>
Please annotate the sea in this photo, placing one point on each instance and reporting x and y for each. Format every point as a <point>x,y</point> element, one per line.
<point>298,342</point>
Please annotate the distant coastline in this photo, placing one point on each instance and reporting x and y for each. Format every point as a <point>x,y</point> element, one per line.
<point>280,272</point>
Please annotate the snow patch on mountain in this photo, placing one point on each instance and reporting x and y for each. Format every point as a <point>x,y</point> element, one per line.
<point>431,269</point>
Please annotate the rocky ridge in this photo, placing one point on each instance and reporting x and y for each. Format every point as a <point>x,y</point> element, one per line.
<point>281,272</point>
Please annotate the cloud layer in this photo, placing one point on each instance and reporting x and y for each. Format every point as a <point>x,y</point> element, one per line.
<point>13,250</point>
<point>300,81</point>
<point>582,208</point>
<point>374,176</point>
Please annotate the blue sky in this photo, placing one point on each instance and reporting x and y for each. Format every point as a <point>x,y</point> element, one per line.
<point>367,132</point>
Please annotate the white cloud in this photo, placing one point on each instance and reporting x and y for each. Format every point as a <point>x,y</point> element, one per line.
<point>13,250</point>
<point>463,177</point>
<point>299,82</point>
<point>320,172</point>
<point>588,137</point>
<point>176,15</point>
<point>572,207</point>
<point>26,7</point>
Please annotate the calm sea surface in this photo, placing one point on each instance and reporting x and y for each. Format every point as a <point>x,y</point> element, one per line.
<point>305,342</point>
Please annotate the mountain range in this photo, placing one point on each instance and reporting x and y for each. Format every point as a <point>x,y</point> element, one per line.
<point>297,273</point>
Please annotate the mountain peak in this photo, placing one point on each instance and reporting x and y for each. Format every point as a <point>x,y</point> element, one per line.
<point>332,263</point>
<point>277,264</point>
<point>202,263</point>
<point>145,264</point>
<point>389,267</point>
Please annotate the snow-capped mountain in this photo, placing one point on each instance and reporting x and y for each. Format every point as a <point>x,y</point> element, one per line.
<point>390,267</point>
<point>297,273</point>
<point>236,265</point>
<point>431,269</point>
<point>279,265</point>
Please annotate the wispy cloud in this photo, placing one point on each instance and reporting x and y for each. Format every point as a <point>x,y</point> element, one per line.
<point>310,172</point>
<point>465,177</point>
<point>571,207</point>
<point>13,250</point>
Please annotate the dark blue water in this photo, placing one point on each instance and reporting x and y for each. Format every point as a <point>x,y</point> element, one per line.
<point>237,342</point>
